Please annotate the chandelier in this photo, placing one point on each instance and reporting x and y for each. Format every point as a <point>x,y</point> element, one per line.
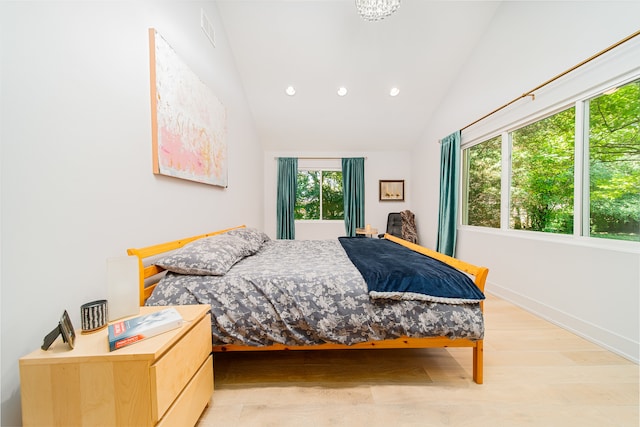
<point>376,10</point>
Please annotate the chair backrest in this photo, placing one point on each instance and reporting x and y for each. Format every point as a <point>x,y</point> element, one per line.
<point>394,224</point>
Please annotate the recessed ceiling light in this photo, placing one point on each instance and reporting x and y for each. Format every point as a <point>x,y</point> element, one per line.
<point>342,91</point>
<point>394,91</point>
<point>290,91</point>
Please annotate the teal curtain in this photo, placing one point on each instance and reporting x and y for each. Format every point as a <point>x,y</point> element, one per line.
<point>286,198</point>
<point>449,177</point>
<point>353,190</point>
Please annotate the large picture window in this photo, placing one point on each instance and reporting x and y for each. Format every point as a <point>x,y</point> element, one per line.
<point>542,165</point>
<point>482,183</point>
<point>614,164</point>
<point>319,195</point>
<point>551,190</point>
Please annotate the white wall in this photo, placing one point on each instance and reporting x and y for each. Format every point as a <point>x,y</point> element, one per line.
<point>77,183</point>
<point>385,165</point>
<point>591,288</point>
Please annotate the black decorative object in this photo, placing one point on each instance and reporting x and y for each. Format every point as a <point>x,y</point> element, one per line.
<point>93,315</point>
<point>65,328</point>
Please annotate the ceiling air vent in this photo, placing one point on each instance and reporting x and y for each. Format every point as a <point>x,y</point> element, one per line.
<point>207,27</point>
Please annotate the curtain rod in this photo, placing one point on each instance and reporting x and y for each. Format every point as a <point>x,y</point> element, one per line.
<point>318,158</point>
<point>533,96</point>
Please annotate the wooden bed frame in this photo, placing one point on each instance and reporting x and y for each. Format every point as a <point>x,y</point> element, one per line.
<point>150,275</point>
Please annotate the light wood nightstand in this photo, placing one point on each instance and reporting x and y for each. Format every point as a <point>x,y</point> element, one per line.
<point>163,380</point>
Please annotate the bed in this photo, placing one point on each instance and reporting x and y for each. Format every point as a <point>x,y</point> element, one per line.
<point>346,293</point>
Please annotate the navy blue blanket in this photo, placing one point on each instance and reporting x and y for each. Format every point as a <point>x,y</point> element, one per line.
<point>396,272</point>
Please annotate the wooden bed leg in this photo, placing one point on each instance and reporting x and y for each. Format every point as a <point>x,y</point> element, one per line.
<point>478,362</point>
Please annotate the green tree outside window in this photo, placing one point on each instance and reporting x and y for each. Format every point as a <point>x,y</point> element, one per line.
<point>482,183</point>
<point>319,195</point>
<point>614,164</point>
<point>542,169</point>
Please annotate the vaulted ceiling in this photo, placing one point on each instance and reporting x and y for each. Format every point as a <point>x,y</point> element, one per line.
<point>317,46</point>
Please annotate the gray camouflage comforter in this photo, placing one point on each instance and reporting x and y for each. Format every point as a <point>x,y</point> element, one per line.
<point>301,292</point>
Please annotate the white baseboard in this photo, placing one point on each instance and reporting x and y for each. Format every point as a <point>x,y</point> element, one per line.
<point>611,341</point>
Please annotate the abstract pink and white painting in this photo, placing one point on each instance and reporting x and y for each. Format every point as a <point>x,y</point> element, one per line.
<point>189,123</point>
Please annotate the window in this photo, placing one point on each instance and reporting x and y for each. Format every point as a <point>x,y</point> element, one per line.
<point>482,183</point>
<point>548,188</point>
<point>542,168</point>
<point>614,164</point>
<point>319,195</point>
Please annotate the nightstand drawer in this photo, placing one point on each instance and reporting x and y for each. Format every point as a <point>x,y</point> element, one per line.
<point>177,367</point>
<point>189,405</point>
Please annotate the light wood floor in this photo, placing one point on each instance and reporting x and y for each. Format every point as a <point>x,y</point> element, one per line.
<point>536,374</point>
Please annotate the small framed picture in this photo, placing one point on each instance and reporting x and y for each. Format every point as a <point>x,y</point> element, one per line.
<point>392,190</point>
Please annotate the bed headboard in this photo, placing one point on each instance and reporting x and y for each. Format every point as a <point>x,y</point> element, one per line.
<point>149,273</point>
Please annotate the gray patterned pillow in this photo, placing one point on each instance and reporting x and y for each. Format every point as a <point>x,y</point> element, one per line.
<point>210,256</point>
<point>252,236</point>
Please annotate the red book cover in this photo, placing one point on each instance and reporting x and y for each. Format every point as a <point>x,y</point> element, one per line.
<point>129,331</point>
